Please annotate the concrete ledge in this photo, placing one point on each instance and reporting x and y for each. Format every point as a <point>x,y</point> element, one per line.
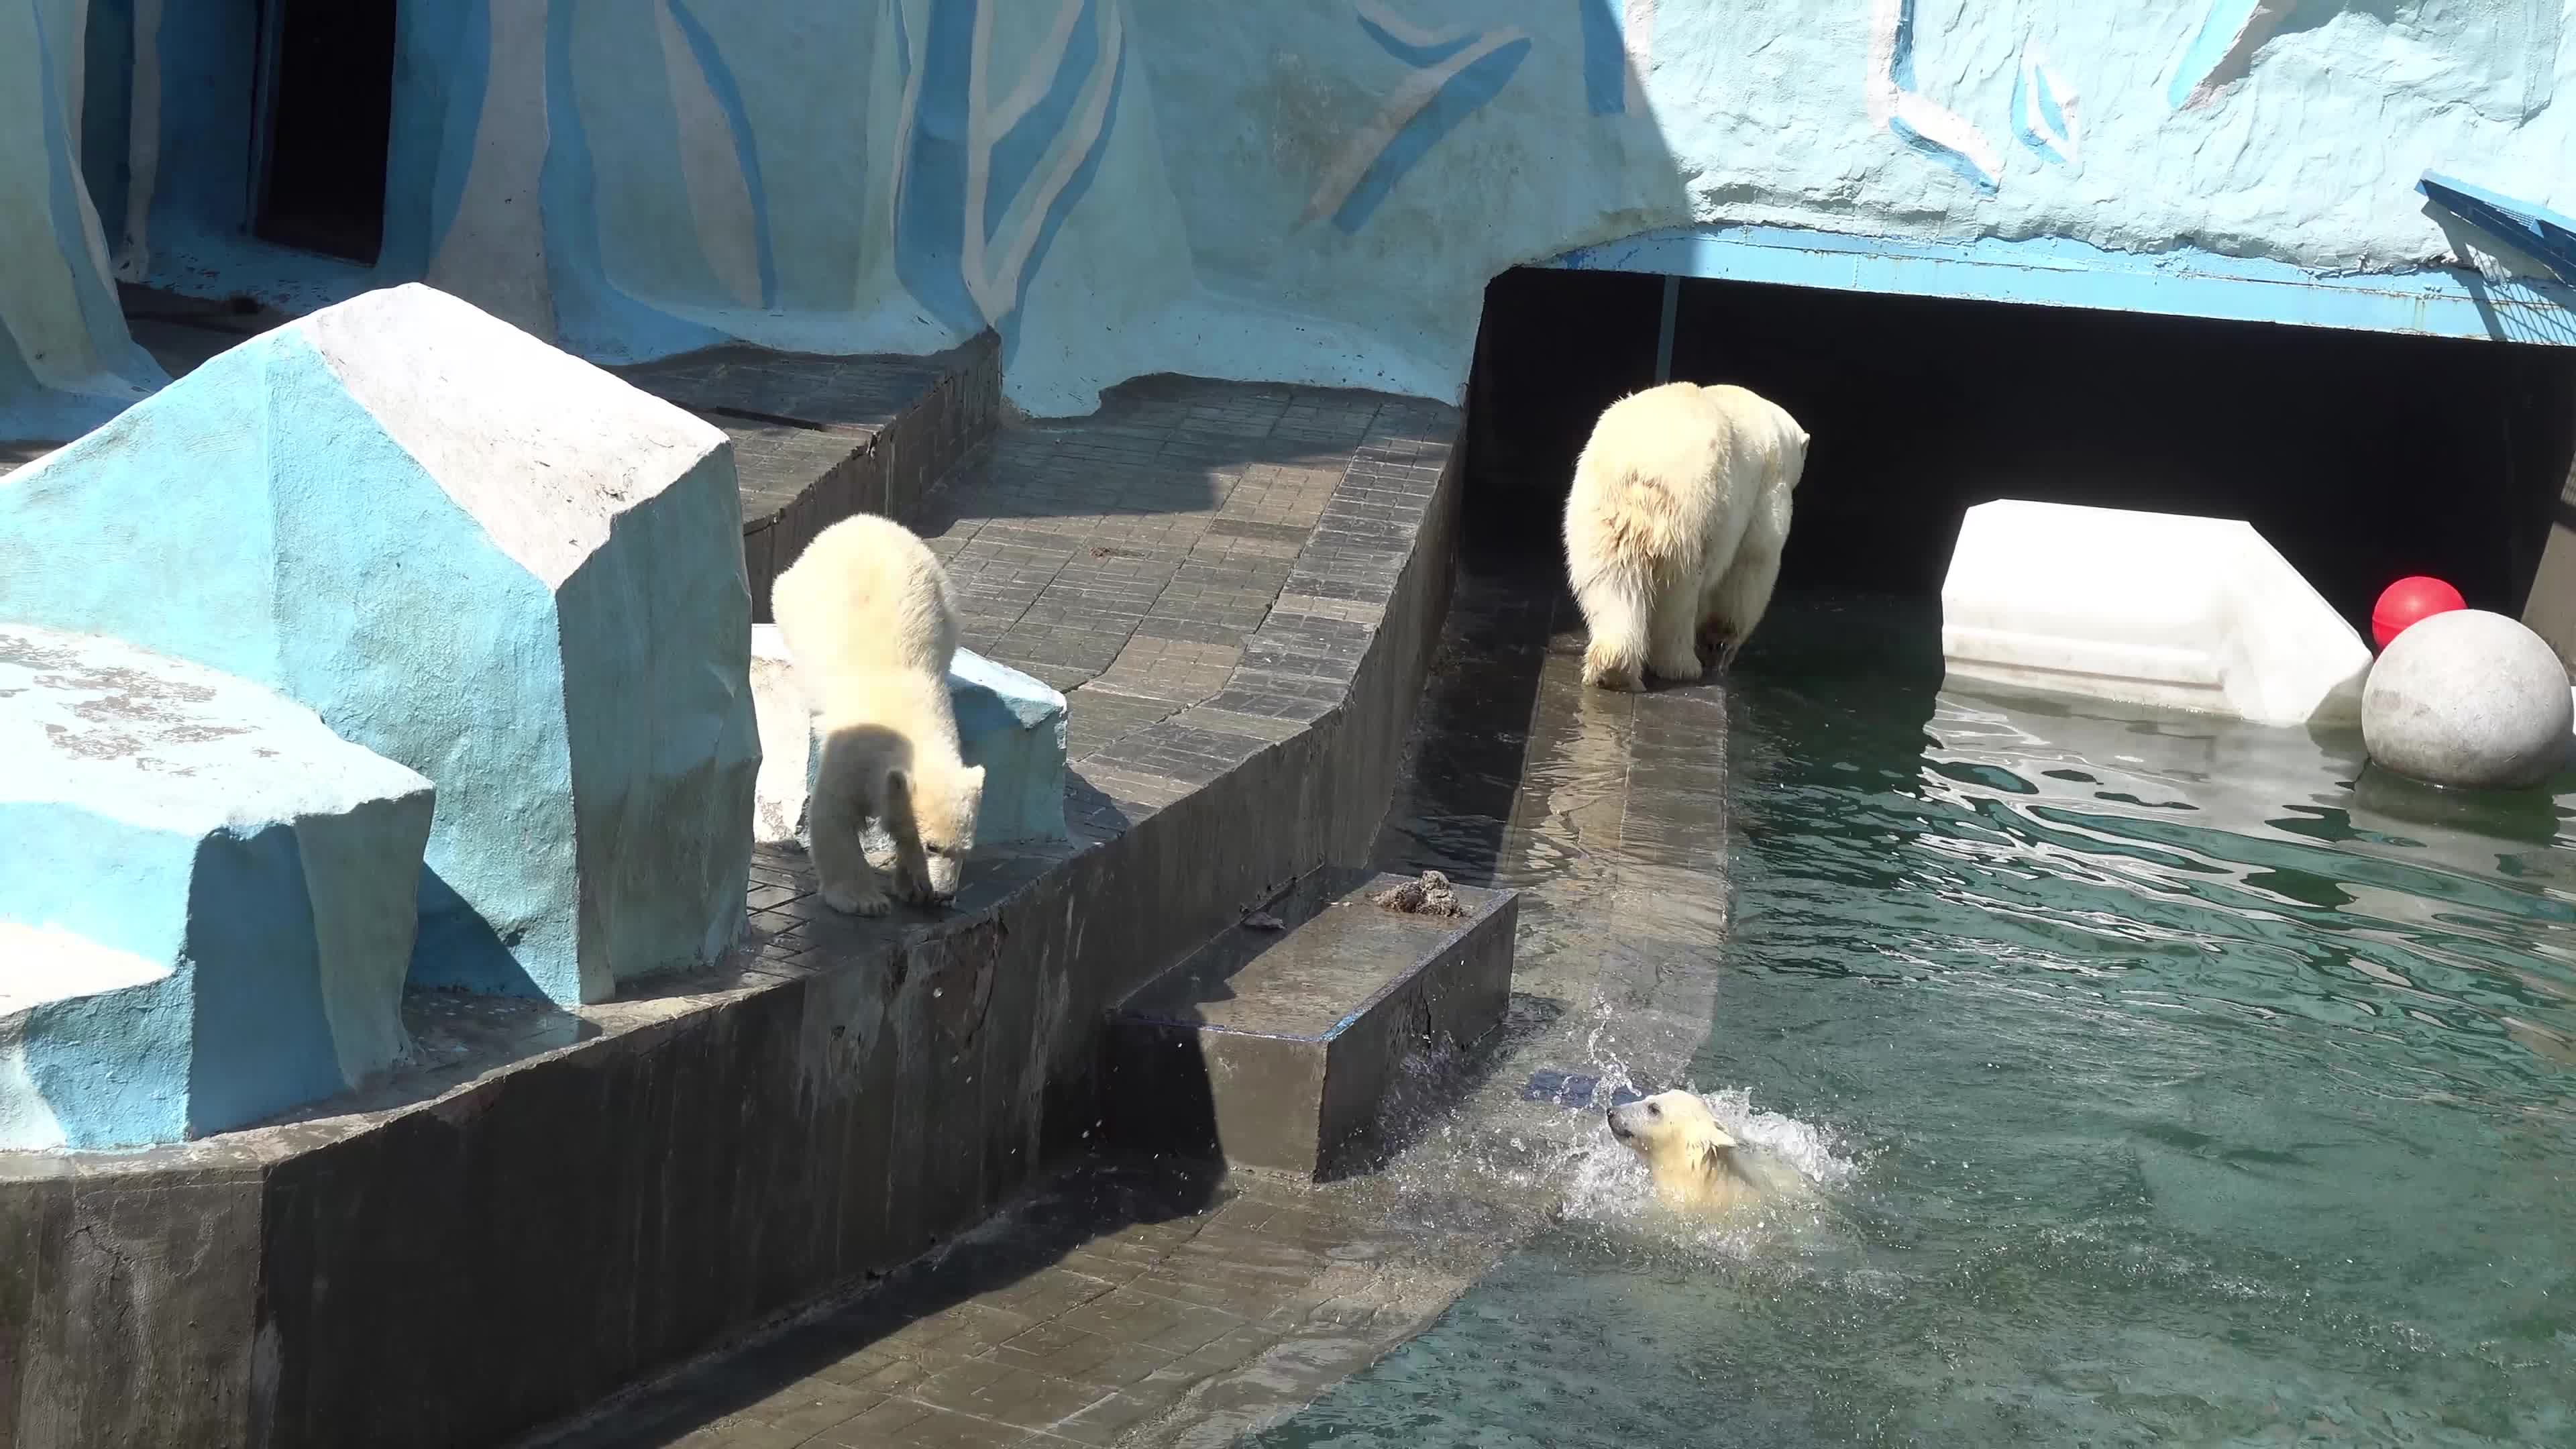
<point>2445,301</point>
<point>471,1251</point>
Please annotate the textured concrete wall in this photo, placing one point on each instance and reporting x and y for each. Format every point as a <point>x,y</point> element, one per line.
<point>471,554</point>
<point>1318,190</point>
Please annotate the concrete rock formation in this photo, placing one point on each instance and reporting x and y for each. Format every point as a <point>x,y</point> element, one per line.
<point>207,899</point>
<point>474,555</point>
<point>2469,698</point>
<point>1007,722</point>
<point>1013,725</point>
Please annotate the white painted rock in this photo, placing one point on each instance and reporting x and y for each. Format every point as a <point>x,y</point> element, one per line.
<point>2469,698</point>
<point>207,899</point>
<point>472,554</point>
<point>2156,609</point>
<point>786,740</point>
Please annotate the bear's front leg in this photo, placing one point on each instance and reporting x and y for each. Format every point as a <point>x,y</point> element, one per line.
<point>840,806</point>
<point>911,862</point>
<point>847,882</point>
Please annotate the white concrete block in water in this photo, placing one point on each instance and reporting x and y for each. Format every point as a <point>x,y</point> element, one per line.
<point>207,899</point>
<point>1007,722</point>
<point>2469,698</point>
<point>2145,608</point>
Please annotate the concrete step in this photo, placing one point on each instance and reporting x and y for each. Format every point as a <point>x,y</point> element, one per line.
<point>1278,1047</point>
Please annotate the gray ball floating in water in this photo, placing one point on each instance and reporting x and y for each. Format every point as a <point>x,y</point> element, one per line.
<point>2468,698</point>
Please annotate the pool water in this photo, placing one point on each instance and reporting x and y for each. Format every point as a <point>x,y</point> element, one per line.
<point>2166,1081</point>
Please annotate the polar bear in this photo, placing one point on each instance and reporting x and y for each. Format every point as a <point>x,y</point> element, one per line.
<point>867,616</point>
<point>1691,1158</point>
<point>1674,528</point>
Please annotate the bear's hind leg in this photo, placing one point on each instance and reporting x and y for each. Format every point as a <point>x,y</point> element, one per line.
<point>1614,618</point>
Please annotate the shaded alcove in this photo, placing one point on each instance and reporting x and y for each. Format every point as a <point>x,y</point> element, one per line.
<point>323,121</point>
<point>2362,456</point>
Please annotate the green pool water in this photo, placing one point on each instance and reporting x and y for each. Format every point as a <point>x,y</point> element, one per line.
<point>2169,1083</point>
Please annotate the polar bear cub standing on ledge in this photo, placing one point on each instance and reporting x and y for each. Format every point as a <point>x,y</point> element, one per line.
<point>1674,529</point>
<point>865,613</point>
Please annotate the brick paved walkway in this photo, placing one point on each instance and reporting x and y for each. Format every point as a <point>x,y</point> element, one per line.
<point>1194,565</point>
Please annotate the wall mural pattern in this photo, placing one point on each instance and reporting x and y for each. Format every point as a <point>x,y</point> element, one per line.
<point>989,173</point>
<point>1457,69</point>
<point>1312,192</point>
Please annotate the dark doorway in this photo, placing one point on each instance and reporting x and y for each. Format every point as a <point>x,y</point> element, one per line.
<point>2361,456</point>
<point>323,120</point>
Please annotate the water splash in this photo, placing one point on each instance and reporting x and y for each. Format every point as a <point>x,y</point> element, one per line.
<point>1800,1164</point>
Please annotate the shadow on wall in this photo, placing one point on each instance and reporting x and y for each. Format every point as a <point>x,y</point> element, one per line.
<point>2362,457</point>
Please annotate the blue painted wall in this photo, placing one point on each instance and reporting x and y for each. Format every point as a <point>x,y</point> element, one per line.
<point>66,363</point>
<point>1317,190</point>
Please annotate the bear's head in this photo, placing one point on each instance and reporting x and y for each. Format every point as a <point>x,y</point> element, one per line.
<point>1671,1129</point>
<point>945,804</point>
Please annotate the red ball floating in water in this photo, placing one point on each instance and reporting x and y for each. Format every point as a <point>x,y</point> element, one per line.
<point>2409,601</point>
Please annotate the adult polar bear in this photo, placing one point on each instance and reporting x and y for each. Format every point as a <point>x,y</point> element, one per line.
<point>1674,529</point>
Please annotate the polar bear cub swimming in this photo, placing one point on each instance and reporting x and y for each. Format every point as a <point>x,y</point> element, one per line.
<point>867,617</point>
<point>1692,1159</point>
<point>1674,528</point>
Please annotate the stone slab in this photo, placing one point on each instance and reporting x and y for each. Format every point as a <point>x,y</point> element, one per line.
<point>207,899</point>
<point>1278,1047</point>
<point>475,555</point>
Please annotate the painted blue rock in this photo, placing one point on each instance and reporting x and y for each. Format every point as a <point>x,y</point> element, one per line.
<point>471,554</point>
<point>207,898</point>
<point>1013,726</point>
<point>1007,722</point>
